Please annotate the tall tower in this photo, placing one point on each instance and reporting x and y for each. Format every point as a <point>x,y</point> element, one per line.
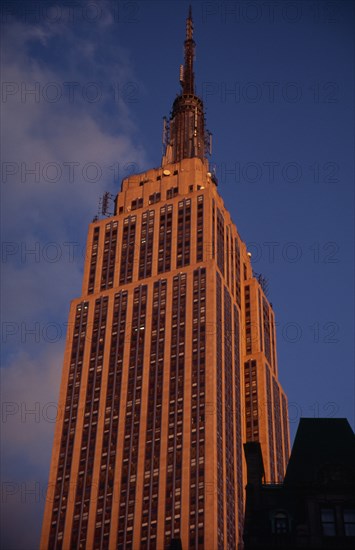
<point>170,364</point>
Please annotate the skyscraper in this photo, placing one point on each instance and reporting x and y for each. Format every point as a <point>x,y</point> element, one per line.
<point>170,363</point>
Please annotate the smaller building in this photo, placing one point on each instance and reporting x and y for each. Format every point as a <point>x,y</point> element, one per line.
<point>314,507</point>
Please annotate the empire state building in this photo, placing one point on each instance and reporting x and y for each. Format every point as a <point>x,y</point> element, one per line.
<point>170,364</point>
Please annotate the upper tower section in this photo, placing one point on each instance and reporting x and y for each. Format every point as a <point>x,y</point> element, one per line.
<point>185,135</point>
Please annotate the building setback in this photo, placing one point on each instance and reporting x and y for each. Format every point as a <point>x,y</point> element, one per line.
<point>170,364</point>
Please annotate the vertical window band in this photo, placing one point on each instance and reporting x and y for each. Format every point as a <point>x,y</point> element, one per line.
<point>93,260</point>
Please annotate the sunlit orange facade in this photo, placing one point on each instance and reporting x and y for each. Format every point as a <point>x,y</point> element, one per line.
<point>170,365</point>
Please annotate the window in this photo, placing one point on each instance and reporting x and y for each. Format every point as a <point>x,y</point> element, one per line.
<point>183,233</point>
<point>113,394</point>
<point>250,377</point>
<point>146,245</point>
<point>127,250</point>
<point>237,271</point>
<point>165,237</point>
<point>155,197</point>
<point>220,430</point>
<point>93,261</point>
<point>349,522</point>
<point>220,241</point>
<point>83,482</point>
<point>154,412</point>
<point>172,192</point>
<point>137,203</point>
<point>280,523</point>
<point>228,419</point>
<point>199,245</point>
<point>175,414</point>
<point>133,413</point>
<point>109,255</point>
<point>328,522</point>
<point>67,439</point>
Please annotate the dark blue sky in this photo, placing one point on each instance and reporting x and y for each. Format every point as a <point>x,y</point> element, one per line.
<point>277,80</point>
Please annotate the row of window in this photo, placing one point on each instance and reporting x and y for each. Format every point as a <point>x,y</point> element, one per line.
<point>333,521</point>
<point>266,340</point>
<point>270,424</point>
<point>220,439</point>
<point>88,439</point>
<point>248,326</point>
<point>154,414</point>
<point>112,406</point>
<point>133,412</point>
<point>61,493</point>
<point>278,430</point>
<point>285,427</point>
<point>251,401</point>
<point>130,248</point>
<point>112,411</point>
<point>228,253</point>
<point>197,445</point>
<point>337,522</point>
<point>267,330</point>
<point>227,247</point>
<point>229,421</point>
<point>225,448</point>
<point>238,420</point>
<point>156,197</point>
<point>175,414</point>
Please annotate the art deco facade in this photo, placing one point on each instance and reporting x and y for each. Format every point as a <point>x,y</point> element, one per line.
<point>170,364</point>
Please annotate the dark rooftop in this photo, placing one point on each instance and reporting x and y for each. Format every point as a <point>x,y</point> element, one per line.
<point>323,452</point>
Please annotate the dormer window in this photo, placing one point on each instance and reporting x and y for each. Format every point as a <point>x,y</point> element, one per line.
<point>280,524</point>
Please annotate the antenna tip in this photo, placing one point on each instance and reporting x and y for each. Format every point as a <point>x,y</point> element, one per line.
<point>189,25</point>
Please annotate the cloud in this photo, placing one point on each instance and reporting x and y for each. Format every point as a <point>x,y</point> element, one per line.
<point>59,156</point>
<point>70,135</point>
<point>31,389</point>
